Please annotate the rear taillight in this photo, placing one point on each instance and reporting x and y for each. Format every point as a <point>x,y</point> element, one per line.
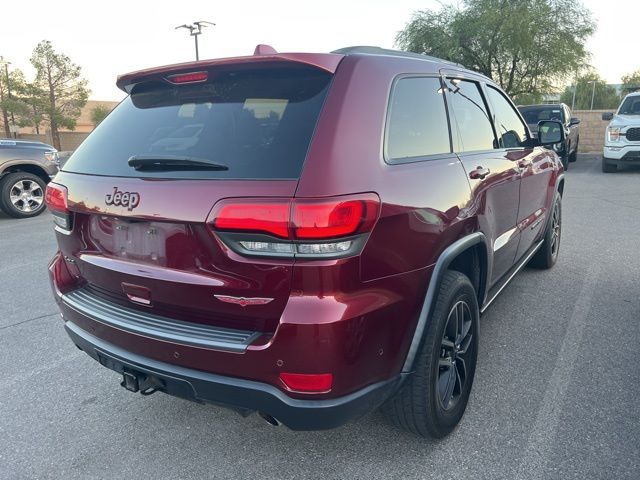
<point>331,227</point>
<point>264,216</point>
<point>333,218</point>
<point>56,199</point>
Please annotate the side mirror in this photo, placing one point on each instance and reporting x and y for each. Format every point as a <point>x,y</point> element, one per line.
<point>574,121</point>
<point>607,116</point>
<point>550,132</point>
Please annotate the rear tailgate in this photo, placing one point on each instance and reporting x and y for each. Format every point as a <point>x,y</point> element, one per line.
<point>164,249</point>
<point>140,235</point>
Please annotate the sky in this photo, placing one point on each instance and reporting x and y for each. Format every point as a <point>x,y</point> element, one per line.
<point>110,38</point>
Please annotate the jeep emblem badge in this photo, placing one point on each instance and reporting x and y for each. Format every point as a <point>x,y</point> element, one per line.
<point>122,199</point>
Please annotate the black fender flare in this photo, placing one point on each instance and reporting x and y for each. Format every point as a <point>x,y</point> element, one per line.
<point>443,262</point>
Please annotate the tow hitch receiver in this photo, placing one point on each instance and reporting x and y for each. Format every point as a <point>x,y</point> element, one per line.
<point>130,382</point>
<point>138,382</point>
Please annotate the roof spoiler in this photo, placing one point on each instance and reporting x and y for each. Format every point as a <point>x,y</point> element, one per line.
<point>262,54</point>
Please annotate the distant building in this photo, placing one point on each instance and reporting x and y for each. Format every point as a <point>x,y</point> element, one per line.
<point>551,98</point>
<point>84,122</point>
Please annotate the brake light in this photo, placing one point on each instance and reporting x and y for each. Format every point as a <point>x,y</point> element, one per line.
<point>303,227</point>
<point>55,198</point>
<point>191,77</point>
<point>267,217</point>
<point>307,382</point>
<point>331,218</point>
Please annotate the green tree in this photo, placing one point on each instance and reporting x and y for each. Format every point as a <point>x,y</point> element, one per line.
<point>35,98</point>
<point>65,91</point>
<point>529,98</point>
<point>98,114</point>
<point>10,102</point>
<point>605,96</point>
<point>4,110</point>
<point>526,46</point>
<point>631,82</point>
<point>19,105</point>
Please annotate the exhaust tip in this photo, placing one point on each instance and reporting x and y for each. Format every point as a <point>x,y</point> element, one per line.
<point>269,419</point>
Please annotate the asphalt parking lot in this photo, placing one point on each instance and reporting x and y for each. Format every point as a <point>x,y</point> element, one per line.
<point>556,395</point>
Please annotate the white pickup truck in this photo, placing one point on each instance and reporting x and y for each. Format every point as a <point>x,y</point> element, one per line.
<point>622,138</point>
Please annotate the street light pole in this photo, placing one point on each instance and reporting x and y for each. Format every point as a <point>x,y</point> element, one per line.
<point>195,29</point>
<point>4,111</point>
<point>593,93</point>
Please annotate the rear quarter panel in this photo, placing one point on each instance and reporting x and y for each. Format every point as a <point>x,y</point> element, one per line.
<point>425,206</point>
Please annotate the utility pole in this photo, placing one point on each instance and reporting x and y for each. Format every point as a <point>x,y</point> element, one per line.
<point>5,118</point>
<point>6,72</point>
<point>4,109</point>
<point>195,29</point>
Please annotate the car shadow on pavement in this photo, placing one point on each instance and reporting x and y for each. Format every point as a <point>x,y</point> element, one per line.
<point>369,441</point>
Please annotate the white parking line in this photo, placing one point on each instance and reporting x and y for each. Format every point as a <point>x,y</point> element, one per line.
<point>540,441</point>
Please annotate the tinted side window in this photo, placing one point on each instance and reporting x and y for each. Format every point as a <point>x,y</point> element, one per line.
<point>417,124</point>
<point>512,133</point>
<point>473,128</point>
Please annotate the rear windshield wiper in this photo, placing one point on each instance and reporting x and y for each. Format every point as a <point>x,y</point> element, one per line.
<point>173,162</point>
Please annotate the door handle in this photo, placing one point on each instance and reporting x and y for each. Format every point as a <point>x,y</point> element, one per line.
<point>479,173</point>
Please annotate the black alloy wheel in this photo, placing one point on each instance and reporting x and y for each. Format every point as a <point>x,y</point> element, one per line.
<point>456,340</point>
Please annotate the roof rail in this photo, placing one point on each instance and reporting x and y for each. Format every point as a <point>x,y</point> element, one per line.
<point>372,50</point>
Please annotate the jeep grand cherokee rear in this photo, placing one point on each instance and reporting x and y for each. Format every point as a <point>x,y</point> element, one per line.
<point>295,234</point>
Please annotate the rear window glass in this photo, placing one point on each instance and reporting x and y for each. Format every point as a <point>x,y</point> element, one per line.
<point>533,115</point>
<point>257,122</point>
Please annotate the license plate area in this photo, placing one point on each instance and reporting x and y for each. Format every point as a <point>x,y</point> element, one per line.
<point>134,239</point>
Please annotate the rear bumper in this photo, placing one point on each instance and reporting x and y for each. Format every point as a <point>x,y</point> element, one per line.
<point>235,393</point>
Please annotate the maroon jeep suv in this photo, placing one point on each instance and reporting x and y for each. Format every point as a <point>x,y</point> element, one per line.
<point>306,236</point>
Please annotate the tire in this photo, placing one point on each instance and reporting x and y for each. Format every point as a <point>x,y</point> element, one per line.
<point>22,195</point>
<point>608,167</point>
<point>419,406</point>
<point>565,161</point>
<point>547,255</point>
<point>574,155</point>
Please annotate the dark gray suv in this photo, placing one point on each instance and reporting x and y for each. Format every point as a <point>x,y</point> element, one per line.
<point>560,112</point>
<point>25,169</point>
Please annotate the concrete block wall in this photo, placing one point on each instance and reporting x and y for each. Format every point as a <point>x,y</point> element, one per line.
<point>68,140</point>
<point>592,130</point>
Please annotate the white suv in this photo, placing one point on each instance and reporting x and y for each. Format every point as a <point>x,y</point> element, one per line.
<point>622,139</point>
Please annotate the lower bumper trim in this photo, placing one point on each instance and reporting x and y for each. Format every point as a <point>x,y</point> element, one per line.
<point>238,394</point>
